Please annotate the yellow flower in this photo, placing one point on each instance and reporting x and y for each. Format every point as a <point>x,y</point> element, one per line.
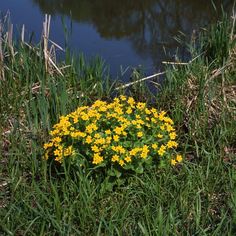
<point>115,158</point>
<point>147,111</point>
<point>145,148</point>
<point>161,150</point>
<point>104,129</point>
<point>156,116</point>
<point>123,120</point>
<point>97,135</point>
<point>56,140</point>
<point>58,159</point>
<point>140,134</point>
<point>139,121</point>
<point>162,115</point>
<point>141,105</point>
<point>172,135</point>
<point>168,120</point>
<point>103,109</point>
<point>134,151</point>
<point>95,148</point>
<point>118,110</point>
<point>108,140</point>
<point>121,162</point>
<point>99,103</point>
<point>129,111</point>
<point>179,158</point>
<point>47,145</point>
<point>120,149</point>
<point>173,162</point>
<point>108,132</point>
<point>100,141</point>
<point>144,152</point>
<point>75,119</point>
<point>128,159</point>
<point>84,117</point>
<point>171,144</point>
<point>154,110</point>
<point>54,132</point>
<point>154,146</point>
<point>153,120</point>
<point>97,159</point>
<point>169,128</point>
<point>78,134</point>
<point>68,151</point>
<point>118,130</point>
<point>58,152</point>
<point>88,139</point>
<point>144,155</point>
<point>72,128</point>
<point>122,98</point>
<point>91,127</point>
<point>116,138</point>
<point>131,101</point>
<point>162,127</point>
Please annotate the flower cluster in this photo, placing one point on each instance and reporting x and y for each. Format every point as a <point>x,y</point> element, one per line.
<point>123,134</point>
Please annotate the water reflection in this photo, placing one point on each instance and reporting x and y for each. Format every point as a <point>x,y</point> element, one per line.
<point>148,24</point>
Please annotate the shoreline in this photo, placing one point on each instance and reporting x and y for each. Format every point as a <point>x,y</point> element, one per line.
<point>198,197</point>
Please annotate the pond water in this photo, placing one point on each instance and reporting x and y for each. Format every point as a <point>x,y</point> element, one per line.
<point>125,32</point>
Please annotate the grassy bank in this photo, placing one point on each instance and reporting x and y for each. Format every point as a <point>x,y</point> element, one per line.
<point>196,198</point>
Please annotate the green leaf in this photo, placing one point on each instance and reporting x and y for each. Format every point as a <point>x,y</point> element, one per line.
<point>114,172</point>
<point>139,169</point>
<point>162,164</point>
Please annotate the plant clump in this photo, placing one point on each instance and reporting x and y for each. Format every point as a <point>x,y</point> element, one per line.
<point>117,136</point>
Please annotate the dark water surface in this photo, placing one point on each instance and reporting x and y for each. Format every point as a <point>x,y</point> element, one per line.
<point>124,32</point>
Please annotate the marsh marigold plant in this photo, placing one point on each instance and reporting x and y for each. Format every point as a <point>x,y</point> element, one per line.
<point>121,135</point>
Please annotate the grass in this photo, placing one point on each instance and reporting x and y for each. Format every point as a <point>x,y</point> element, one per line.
<point>196,198</point>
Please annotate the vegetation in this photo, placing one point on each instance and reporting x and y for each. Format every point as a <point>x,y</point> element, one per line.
<point>113,139</point>
<point>197,197</point>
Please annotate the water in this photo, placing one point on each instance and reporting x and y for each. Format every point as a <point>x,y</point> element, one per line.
<point>127,33</point>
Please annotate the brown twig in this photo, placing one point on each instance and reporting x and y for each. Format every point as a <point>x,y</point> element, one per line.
<point>140,80</point>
